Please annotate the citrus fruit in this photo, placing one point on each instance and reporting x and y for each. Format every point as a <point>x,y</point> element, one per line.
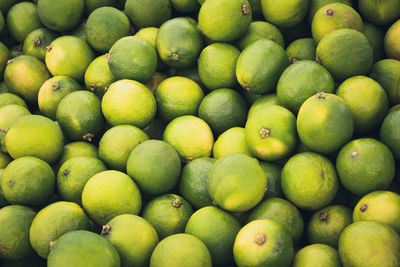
<point>269,99</point>
<point>185,5</point>
<point>77,149</point>
<point>8,114</point>
<point>263,243</point>
<point>301,49</point>
<point>270,132</point>
<point>60,15</point>
<point>282,212</point>
<point>387,73</point>
<point>98,76</point>
<point>178,96</point>
<point>11,99</point>
<point>358,247</point>
<point>236,182</point>
<point>273,174</point>
<point>315,5</point>
<point>80,117</point>
<point>14,239</point>
<point>69,56</point>
<point>284,14</point>
<point>37,136</point>
<point>379,12</point>
<point>217,229</point>
<point>5,159</point>
<point>148,33</point>
<point>181,250</point>
<point>117,144</point>
<point>224,20</point>
<point>223,109</point>
<point>24,75</point>
<point>54,221</point>
<point>391,42</point>
<point>389,133</point>
<point>326,225</point>
<point>36,42</point>
<point>179,43</point>
<point>345,53</point>
<point>325,123</point>
<point>381,206</point>
<point>4,56</point>
<point>28,181</point>
<point>151,13</point>
<point>133,237</point>
<point>332,17</point>
<point>168,214</point>
<point>108,194</point>
<point>309,180</point>
<point>367,101</point>
<point>231,141</point>
<point>105,26</point>
<point>317,255</point>
<point>216,64</point>
<point>365,165</point>
<point>261,30</point>
<point>154,179</point>
<point>53,91</point>
<point>128,102</point>
<point>190,136</point>
<point>375,36</point>
<point>193,182</point>
<point>73,175</point>
<point>300,81</point>
<point>255,74</point>
<point>82,249</point>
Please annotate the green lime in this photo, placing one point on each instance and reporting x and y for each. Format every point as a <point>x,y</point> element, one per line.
<point>16,221</point>
<point>22,19</point>
<point>80,117</point>
<point>225,20</point>
<point>36,42</point>
<point>381,206</point>
<point>326,225</point>
<point>73,175</point>
<point>60,15</point>
<point>177,96</point>
<point>168,214</point>
<point>309,180</point>
<point>270,132</point>
<point>216,65</point>
<point>11,99</point>
<point>105,26</point>
<point>315,5</point>
<point>8,114</point>
<point>151,13</point>
<point>3,201</point>
<point>254,73</point>
<point>270,99</point>
<point>365,165</point>
<point>54,221</point>
<point>263,243</point>
<point>77,149</point>
<point>345,53</point>
<point>83,249</point>
<point>5,159</point>
<point>185,6</point>
<point>4,56</point>
<point>24,75</point>
<point>317,255</point>
<point>7,4</point>
<point>117,144</point>
<point>231,141</point>
<point>236,182</point>
<point>300,81</point>
<point>133,237</point>
<point>282,212</point>
<point>380,13</point>
<point>389,133</point>
<point>149,33</point>
<point>190,136</point>
<point>37,136</point>
<point>154,179</point>
<point>181,250</point>
<point>261,30</point>
<point>223,109</point>
<point>53,91</point>
<point>193,182</point>
<point>387,73</point>
<point>375,36</point>
<point>273,174</point>
<point>128,102</point>
<point>301,49</point>
<point>28,181</point>
<point>391,41</point>
<point>325,123</point>
<point>367,101</point>
<point>284,14</point>
<point>217,229</point>
<point>69,56</point>
<point>369,243</point>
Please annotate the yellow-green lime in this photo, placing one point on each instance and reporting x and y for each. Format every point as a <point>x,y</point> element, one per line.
<point>60,15</point>
<point>273,174</point>
<point>5,159</point>
<point>387,73</point>
<point>151,13</point>
<point>231,141</point>
<point>380,13</point>
<point>3,201</point>
<point>315,5</point>
<point>261,30</point>
<point>8,114</point>
<point>11,99</point>
<point>270,99</point>
<point>148,33</point>
<point>78,149</point>
<point>389,133</point>
<point>4,56</point>
<point>391,42</point>
<point>98,76</point>
<point>36,42</point>
<point>317,255</point>
<point>284,14</point>
<point>301,49</point>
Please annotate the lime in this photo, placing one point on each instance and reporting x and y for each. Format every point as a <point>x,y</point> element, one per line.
<point>270,99</point>
<point>60,15</point>
<point>389,134</point>
<point>149,33</point>
<point>391,41</point>
<point>77,149</point>
<point>379,12</point>
<point>301,49</point>
<point>231,141</point>
<point>284,14</point>
<point>4,56</point>
<point>365,165</point>
<point>217,229</point>
<point>168,214</point>
<point>151,13</point>
<point>185,6</point>
<point>375,36</point>
<point>11,99</point>
<point>387,73</point>
<point>273,174</point>
<point>133,237</point>
<point>326,225</point>
<point>5,159</point>
<point>315,5</point>
<point>317,255</point>
<point>261,30</point>
<point>36,42</point>
<point>309,180</point>
<point>8,114</point>
<point>22,19</point>
<point>54,221</point>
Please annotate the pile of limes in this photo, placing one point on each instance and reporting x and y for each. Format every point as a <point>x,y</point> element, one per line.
<point>201,133</point>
